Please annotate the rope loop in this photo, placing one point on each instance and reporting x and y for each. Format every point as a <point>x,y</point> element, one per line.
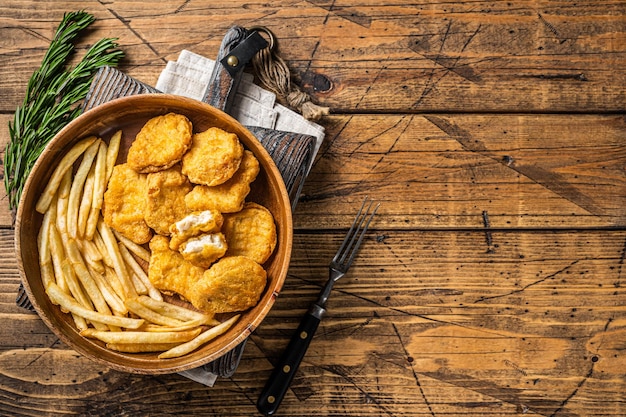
<point>274,75</point>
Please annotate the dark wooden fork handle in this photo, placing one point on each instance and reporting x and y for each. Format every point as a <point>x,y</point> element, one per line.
<point>288,364</point>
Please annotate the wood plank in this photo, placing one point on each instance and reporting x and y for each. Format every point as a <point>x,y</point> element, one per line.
<point>547,171</point>
<point>429,322</point>
<point>517,326</point>
<point>492,281</point>
<point>484,56</point>
<point>446,171</point>
<point>517,56</point>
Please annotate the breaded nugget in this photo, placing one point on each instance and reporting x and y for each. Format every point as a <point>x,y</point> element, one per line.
<point>205,249</point>
<point>124,203</point>
<point>232,284</point>
<point>214,157</point>
<point>230,196</point>
<point>169,271</point>
<point>193,224</point>
<point>165,199</point>
<point>250,233</point>
<point>160,143</point>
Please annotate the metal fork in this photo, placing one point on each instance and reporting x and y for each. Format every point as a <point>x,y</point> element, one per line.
<point>283,373</point>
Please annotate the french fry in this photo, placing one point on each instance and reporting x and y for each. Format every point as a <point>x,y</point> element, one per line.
<point>75,287</point>
<point>91,254</point>
<point>62,200</point>
<point>66,278</point>
<point>90,249</point>
<point>138,250</point>
<point>84,208</point>
<point>200,340</point>
<point>140,289</point>
<point>132,263</point>
<point>188,325</point>
<point>43,245</point>
<point>65,185</point>
<point>64,165</point>
<point>114,281</point>
<point>118,261</point>
<point>149,315</point>
<point>85,278</point>
<point>57,296</point>
<point>77,187</point>
<point>141,337</point>
<point>177,312</point>
<point>47,274</point>
<point>95,265</point>
<point>106,258</point>
<point>100,184</point>
<point>112,152</point>
<point>59,274</point>
<point>113,329</point>
<point>140,347</point>
<point>80,322</point>
<point>112,299</point>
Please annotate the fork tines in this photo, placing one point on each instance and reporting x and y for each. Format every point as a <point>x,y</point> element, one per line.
<point>347,252</point>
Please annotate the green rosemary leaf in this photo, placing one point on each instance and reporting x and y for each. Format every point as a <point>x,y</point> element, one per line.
<point>51,98</point>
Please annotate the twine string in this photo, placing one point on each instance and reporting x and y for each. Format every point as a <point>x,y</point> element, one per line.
<point>275,76</point>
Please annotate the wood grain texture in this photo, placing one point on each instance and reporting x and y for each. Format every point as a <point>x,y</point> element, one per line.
<point>442,170</point>
<point>425,323</point>
<point>405,56</point>
<point>492,282</point>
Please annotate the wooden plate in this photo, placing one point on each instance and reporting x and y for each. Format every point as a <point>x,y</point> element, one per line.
<point>129,114</point>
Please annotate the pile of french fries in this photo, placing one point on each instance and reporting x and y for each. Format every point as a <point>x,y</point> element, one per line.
<point>94,273</point>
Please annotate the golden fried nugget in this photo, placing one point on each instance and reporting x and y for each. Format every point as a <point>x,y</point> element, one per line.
<point>193,224</point>
<point>169,271</point>
<point>250,233</point>
<point>124,203</point>
<point>205,249</point>
<point>165,199</point>
<point>214,157</point>
<point>233,283</point>
<point>160,143</point>
<point>230,196</point>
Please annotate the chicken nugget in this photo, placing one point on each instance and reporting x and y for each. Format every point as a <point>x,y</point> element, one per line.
<point>193,224</point>
<point>160,143</point>
<point>169,271</point>
<point>214,157</point>
<point>124,203</point>
<point>165,199</point>
<point>230,196</point>
<point>250,233</point>
<point>205,249</point>
<point>232,284</point>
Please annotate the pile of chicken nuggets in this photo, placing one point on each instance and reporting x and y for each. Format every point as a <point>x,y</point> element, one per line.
<point>184,194</point>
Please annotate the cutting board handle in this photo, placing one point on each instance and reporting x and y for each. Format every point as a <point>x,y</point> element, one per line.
<point>238,47</point>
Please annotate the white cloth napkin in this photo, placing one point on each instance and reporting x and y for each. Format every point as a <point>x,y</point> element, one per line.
<point>252,106</point>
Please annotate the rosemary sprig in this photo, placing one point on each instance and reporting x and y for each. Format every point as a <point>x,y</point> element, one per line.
<point>51,96</point>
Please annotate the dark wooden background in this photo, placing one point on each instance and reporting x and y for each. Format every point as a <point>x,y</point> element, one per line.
<point>493,282</point>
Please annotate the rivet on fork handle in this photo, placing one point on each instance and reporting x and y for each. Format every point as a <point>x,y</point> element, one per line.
<point>283,373</point>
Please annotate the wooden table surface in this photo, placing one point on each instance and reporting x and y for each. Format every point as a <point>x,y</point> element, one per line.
<point>494,279</point>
